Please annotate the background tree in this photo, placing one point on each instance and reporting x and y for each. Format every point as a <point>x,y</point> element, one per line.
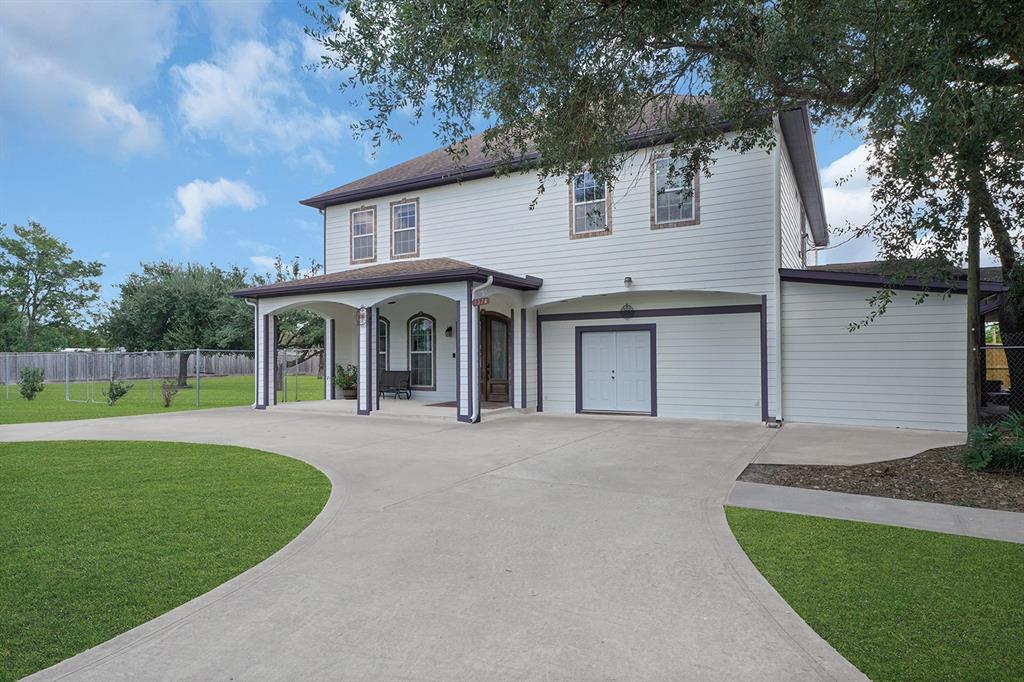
<point>12,327</point>
<point>169,306</point>
<point>935,88</point>
<point>302,330</point>
<point>51,291</point>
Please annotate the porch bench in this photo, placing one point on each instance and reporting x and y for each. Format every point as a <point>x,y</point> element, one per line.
<point>396,382</point>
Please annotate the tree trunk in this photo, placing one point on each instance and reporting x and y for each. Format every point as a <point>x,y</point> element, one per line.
<point>973,286</point>
<point>183,369</point>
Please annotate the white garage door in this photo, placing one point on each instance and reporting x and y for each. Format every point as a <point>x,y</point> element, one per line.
<point>616,371</point>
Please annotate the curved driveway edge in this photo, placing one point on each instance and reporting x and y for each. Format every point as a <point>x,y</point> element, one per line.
<point>528,548</point>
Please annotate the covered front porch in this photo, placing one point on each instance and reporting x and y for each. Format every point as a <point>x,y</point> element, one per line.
<point>449,336</point>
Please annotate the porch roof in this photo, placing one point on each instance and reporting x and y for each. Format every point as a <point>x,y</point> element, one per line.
<point>396,274</point>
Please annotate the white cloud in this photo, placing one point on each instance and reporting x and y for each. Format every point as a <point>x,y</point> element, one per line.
<point>248,97</point>
<point>199,196</point>
<point>265,263</point>
<point>848,202</point>
<point>76,65</point>
<point>231,18</point>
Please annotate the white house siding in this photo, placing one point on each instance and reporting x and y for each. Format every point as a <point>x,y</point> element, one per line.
<point>789,200</point>
<point>708,366</point>
<point>905,369</point>
<point>488,222</point>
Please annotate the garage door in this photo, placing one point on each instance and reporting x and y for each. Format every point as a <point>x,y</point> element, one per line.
<point>616,371</point>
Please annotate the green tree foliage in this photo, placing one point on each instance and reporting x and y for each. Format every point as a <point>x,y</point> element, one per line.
<point>169,306</point>
<point>936,88</point>
<point>46,292</point>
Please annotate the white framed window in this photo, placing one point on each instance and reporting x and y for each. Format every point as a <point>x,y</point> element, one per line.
<point>421,351</point>
<point>363,225</point>
<point>673,202</point>
<point>590,201</point>
<point>405,228</point>
<point>383,344</point>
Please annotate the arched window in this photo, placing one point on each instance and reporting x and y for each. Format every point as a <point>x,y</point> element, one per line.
<point>383,344</point>
<point>421,351</point>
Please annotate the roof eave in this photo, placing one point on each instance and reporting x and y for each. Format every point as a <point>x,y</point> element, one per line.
<point>799,139</point>
<point>528,283</point>
<point>852,279</point>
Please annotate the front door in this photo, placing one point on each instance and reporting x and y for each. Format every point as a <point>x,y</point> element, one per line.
<point>494,352</point>
<point>616,371</point>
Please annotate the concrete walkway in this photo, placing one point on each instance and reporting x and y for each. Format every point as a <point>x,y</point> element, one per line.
<point>528,547</point>
<point>797,443</point>
<point>991,524</point>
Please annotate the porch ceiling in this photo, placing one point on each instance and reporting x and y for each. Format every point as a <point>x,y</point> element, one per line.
<point>387,275</point>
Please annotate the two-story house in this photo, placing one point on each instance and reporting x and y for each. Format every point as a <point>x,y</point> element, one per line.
<point>642,298</point>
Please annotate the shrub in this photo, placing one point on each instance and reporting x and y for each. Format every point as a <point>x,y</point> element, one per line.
<point>996,447</point>
<point>30,382</point>
<point>345,377</point>
<point>115,391</point>
<point>168,389</point>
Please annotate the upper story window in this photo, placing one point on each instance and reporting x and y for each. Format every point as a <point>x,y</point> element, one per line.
<point>421,351</point>
<point>591,207</point>
<point>405,228</point>
<point>363,226</point>
<point>673,202</point>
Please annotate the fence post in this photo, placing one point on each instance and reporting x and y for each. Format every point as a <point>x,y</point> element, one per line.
<point>197,377</point>
<point>67,377</point>
<point>152,376</point>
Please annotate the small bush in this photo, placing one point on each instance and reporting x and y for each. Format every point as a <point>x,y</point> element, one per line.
<point>30,382</point>
<point>115,391</point>
<point>168,389</point>
<point>996,447</point>
<point>345,377</point>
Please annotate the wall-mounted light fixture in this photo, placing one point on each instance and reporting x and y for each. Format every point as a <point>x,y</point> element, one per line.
<point>448,332</point>
<point>628,281</point>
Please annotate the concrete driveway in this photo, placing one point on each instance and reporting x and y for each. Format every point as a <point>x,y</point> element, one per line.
<point>527,547</point>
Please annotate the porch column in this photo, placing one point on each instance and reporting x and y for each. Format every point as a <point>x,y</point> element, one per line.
<point>329,362</point>
<point>272,360</point>
<point>374,357</point>
<point>463,358</point>
<point>262,361</point>
<point>365,364</point>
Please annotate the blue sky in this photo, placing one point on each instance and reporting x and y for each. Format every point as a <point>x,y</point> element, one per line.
<point>189,131</point>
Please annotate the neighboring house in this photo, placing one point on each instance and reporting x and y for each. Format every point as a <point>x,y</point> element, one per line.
<point>697,302</point>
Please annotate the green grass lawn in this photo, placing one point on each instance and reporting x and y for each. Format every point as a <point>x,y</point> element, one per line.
<point>50,405</point>
<point>98,537</point>
<point>899,604</point>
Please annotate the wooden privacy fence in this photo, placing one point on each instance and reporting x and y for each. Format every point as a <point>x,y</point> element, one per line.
<point>82,366</point>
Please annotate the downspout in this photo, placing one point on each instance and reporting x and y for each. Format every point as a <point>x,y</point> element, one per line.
<point>776,277</point>
<point>256,347</point>
<point>474,353</point>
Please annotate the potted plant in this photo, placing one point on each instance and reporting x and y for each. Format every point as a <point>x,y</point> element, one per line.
<point>345,379</point>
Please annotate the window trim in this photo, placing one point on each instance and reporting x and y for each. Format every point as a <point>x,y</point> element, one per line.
<point>572,211</point>
<point>433,351</point>
<point>391,218</point>
<point>352,235</point>
<point>655,225</point>
<point>387,344</point>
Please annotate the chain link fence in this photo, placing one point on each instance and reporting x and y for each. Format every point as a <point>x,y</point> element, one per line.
<point>204,376</point>
<point>1003,380</point>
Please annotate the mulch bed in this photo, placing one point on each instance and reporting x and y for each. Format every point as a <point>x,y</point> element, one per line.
<point>931,476</point>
